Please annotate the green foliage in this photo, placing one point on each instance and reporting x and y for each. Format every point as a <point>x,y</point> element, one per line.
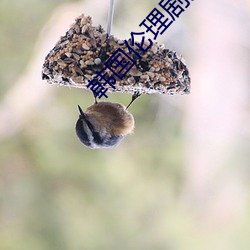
<point>20,24</point>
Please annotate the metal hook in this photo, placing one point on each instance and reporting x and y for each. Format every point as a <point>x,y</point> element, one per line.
<point>110,16</point>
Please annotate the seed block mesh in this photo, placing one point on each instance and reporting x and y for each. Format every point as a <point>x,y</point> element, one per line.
<point>85,48</point>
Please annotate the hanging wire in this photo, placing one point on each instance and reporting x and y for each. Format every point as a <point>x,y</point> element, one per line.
<point>110,15</point>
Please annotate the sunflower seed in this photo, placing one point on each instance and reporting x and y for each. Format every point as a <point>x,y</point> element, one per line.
<point>85,46</point>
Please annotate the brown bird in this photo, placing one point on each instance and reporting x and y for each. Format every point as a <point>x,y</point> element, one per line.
<point>104,124</point>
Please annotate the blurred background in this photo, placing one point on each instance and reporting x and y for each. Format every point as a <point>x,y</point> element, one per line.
<point>180,182</point>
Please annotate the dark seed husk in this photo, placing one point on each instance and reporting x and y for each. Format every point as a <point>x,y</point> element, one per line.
<point>84,49</point>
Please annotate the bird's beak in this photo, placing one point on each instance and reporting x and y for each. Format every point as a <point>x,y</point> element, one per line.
<point>82,115</point>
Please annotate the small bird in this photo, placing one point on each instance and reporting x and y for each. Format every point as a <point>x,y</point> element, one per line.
<point>104,124</point>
